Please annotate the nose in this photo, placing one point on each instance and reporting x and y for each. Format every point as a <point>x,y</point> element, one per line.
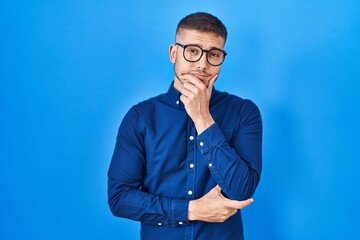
<point>202,63</point>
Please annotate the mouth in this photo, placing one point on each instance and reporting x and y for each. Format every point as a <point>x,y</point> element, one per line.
<point>201,76</point>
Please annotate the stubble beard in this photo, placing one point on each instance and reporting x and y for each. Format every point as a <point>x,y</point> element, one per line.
<point>189,72</point>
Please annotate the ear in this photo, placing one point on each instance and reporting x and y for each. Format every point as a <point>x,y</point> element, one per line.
<point>172,53</point>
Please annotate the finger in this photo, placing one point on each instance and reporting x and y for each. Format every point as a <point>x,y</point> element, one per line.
<point>238,204</point>
<point>191,87</point>
<point>194,80</point>
<point>184,99</point>
<point>229,214</point>
<point>187,93</point>
<point>233,212</point>
<point>189,77</point>
<point>212,81</point>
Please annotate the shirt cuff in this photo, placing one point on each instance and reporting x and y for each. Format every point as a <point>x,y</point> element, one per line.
<point>179,212</point>
<point>210,137</point>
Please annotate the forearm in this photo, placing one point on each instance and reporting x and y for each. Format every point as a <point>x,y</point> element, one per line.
<point>130,202</point>
<point>125,177</point>
<point>237,171</point>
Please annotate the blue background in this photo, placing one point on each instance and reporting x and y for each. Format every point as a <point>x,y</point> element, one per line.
<point>70,70</point>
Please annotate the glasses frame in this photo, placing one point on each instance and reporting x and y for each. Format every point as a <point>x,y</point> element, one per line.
<point>202,52</point>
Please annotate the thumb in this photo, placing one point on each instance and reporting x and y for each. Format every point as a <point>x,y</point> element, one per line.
<point>239,204</point>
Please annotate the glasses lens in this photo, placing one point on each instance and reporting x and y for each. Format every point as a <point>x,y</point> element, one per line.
<point>192,53</point>
<point>215,57</point>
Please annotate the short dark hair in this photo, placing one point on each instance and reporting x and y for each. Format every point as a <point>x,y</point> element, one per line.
<point>203,22</point>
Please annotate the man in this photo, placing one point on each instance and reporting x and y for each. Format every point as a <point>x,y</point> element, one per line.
<point>185,162</point>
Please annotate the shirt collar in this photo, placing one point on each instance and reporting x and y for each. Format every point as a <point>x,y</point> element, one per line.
<point>174,94</point>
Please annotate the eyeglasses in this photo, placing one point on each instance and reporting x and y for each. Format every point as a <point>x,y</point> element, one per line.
<point>193,53</point>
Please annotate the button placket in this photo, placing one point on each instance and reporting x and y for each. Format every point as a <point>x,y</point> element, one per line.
<point>191,159</point>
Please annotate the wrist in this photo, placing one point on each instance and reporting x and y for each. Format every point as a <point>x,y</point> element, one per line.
<point>203,123</point>
<point>191,210</point>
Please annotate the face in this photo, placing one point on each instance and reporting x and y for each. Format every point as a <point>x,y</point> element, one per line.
<point>200,69</point>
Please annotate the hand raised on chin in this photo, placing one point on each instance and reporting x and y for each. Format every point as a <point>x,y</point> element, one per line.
<point>195,96</point>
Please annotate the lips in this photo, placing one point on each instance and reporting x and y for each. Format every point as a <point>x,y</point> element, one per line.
<point>201,76</point>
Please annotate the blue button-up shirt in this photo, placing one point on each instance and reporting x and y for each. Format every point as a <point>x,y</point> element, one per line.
<point>160,164</point>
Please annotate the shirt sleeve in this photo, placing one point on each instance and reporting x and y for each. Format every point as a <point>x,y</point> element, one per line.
<point>125,177</point>
<point>236,167</point>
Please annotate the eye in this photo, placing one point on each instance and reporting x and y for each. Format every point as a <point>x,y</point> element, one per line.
<point>193,50</point>
<point>215,54</point>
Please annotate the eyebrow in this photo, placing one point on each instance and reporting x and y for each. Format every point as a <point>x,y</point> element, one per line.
<point>199,45</point>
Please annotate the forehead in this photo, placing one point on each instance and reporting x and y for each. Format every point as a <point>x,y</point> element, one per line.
<point>204,39</point>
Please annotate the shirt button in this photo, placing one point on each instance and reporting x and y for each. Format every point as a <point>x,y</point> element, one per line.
<point>210,164</point>
<point>177,102</point>
<point>191,138</point>
<point>191,165</point>
<point>190,192</point>
<point>201,144</point>
<point>159,224</point>
<point>180,223</point>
